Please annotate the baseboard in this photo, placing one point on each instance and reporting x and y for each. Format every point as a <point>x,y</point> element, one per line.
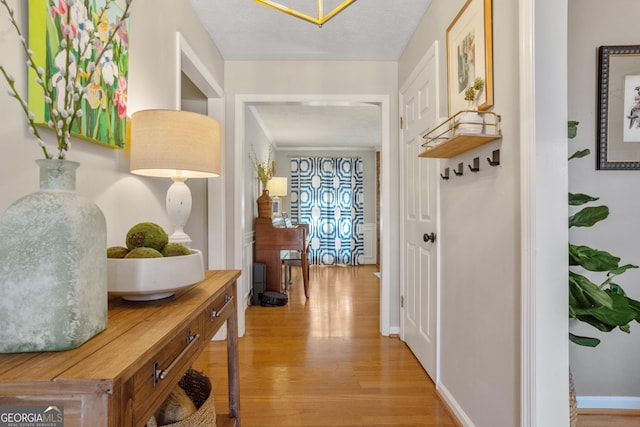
<point>460,417</point>
<point>601,405</point>
<point>608,402</point>
<point>394,330</point>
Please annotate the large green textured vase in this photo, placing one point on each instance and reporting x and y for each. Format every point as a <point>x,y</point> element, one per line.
<point>53,266</point>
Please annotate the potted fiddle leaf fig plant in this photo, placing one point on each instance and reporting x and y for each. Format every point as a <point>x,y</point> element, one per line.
<point>602,304</point>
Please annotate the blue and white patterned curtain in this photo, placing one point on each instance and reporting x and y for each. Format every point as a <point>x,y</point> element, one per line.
<point>326,193</point>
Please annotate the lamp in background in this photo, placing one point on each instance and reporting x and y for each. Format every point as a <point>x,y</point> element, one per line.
<point>177,145</point>
<point>277,187</point>
<point>319,21</point>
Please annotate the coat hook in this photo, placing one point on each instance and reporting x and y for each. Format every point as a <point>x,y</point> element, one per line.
<point>446,174</point>
<point>460,170</point>
<point>476,165</point>
<point>495,161</point>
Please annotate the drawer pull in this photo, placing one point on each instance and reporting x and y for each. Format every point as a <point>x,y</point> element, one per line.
<point>161,374</point>
<point>227,300</point>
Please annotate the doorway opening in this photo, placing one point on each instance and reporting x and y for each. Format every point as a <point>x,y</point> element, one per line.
<point>243,226</point>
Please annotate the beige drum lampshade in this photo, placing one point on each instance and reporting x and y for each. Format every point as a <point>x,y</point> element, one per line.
<point>169,143</point>
<point>277,186</point>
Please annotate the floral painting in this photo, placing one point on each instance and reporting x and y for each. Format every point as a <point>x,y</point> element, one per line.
<point>470,55</point>
<point>98,56</point>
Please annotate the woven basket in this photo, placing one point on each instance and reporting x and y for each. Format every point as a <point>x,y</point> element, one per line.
<point>573,403</point>
<point>198,388</point>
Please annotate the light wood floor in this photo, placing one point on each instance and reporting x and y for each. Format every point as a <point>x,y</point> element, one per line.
<point>610,418</point>
<point>322,361</point>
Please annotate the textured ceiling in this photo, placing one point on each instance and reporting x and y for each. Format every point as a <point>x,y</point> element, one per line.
<point>375,30</point>
<point>335,127</point>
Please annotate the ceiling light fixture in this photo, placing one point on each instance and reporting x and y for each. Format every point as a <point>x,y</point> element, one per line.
<point>319,21</point>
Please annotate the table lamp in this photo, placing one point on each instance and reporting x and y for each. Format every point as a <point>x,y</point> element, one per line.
<point>177,145</point>
<point>277,187</point>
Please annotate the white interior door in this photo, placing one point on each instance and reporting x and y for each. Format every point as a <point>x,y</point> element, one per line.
<point>419,181</point>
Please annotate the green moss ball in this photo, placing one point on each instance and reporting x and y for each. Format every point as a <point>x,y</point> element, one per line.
<point>143,253</point>
<point>175,249</point>
<point>147,234</point>
<point>117,252</point>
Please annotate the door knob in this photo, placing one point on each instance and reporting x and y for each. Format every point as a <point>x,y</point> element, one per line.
<point>431,237</point>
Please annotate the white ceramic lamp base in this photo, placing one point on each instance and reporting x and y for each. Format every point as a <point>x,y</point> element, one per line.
<point>179,209</point>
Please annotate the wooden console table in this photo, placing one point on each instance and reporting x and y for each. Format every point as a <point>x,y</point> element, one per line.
<point>114,379</point>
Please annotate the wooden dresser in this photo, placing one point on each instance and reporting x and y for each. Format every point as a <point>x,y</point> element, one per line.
<point>114,379</point>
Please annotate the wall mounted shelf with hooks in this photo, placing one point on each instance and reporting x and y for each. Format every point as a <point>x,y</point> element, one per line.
<point>448,139</point>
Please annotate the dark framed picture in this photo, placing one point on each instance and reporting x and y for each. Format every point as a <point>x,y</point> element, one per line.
<point>470,55</point>
<point>618,136</point>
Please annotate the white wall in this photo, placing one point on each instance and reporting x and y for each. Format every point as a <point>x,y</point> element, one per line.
<point>104,175</point>
<point>611,369</point>
<point>480,238</point>
<point>543,132</point>
<point>258,142</point>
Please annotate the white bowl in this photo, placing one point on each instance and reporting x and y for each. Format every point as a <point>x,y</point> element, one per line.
<point>146,279</point>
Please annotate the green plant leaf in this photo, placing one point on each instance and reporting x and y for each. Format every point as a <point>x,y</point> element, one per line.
<point>592,259</point>
<point>588,216</point>
<point>572,130</point>
<point>580,199</point>
<point>622,269</point>
<point>580,154</point>
<point>584,295</point>
<point>619,314</point>
<point>617,289</point>
<point>590,320</point>
<point>636,306</point>
<point>585,341</point>
<point>626,328</point>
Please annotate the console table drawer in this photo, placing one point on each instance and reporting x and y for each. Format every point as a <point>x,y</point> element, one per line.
<point>158,377</point>
<point>218,312</point>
